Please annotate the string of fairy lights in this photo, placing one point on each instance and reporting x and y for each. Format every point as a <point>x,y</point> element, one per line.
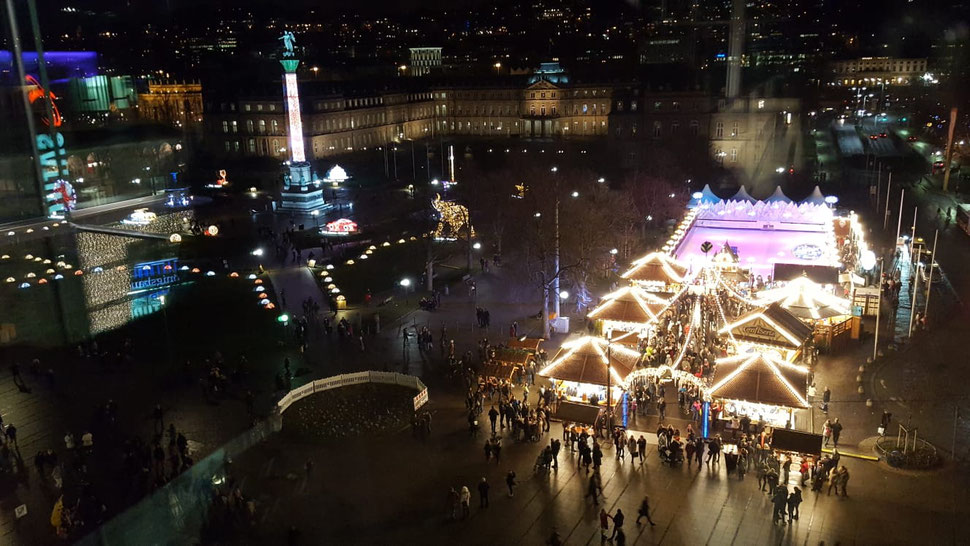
<point>327,271</point>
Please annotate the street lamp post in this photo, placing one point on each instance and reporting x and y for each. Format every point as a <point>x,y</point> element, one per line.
<point>555,256</point>
<point>609,382</point>
<point>875,343</point>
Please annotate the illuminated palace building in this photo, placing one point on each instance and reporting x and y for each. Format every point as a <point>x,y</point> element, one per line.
<point>547,103</point>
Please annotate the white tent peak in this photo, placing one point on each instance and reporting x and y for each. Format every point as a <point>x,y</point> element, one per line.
<point>743,195</point>
<point>816,198</point>
<point>778,197</point>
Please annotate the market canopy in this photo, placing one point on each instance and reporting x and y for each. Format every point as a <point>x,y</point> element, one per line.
<point>772,325</point>
<point>707,195</point>
<point>630,305</point>
<point>585,360</point>
<point>513,356</point>
<point>806,300</point>
<point>743,195</point>
<point>816,198</point>
<point>760,378</point>
<point>656,267</point>
<point>530,344</point>
<point>499,370</point>
<point>778,197</point>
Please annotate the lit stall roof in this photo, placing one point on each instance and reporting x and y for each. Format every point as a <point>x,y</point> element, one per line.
<point>761,379</point>
<point>656,267</point>
<point>584,360</point>
<point>805,299</point>
<point>631,305</point>
<point>772,325</point>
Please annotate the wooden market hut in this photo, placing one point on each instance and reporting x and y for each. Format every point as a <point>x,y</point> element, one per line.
<point>657,272</point>
<point>772,327</point>
<point>592,360</point>
<point>630,309</point>
<point>503,362</point>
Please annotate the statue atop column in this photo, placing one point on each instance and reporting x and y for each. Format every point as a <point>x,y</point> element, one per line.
<point>288,40</point>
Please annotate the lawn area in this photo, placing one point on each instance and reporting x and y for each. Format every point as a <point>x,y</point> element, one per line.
<point>382,271</point>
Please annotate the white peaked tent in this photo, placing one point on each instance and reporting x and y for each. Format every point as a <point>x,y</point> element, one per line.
<point>708,196</point>
<point>743,195</point>
<point>778,197</point>
<point>816,198</point>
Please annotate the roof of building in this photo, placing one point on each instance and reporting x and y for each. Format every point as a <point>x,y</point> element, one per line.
<point>656,267</point>
<point>630,304</point>
<point>584,360</point>
<point>772,325</point>
<point>760,379</point>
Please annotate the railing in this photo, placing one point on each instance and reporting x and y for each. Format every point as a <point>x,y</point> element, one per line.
<point>337,381</point>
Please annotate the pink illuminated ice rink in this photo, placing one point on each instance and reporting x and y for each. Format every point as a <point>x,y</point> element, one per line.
<point>757,249</point>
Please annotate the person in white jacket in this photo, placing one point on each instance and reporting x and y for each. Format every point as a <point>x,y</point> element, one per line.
<point>466,497</point>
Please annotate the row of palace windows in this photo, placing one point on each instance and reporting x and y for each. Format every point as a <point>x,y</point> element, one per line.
<point>251,127</point>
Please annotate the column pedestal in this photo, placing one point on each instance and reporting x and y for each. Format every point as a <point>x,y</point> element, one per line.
<point>299,194</point>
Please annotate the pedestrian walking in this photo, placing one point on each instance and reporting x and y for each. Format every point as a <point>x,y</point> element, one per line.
<point>483,488</point>
<point>780,502</point>
<point>836,432</point>
<point>642,448</point>
<point>644,511</point>
<point>794,500</point>
<point>492,417</point>
<point>826,432</point>
<point>604,524</point>
<point>843,480</point>
<point>556,446</point>
<point>465,498</point>
<point>454,503</point>
<point>510,482</point>
<point>11,433</point>
<point>617,523</point>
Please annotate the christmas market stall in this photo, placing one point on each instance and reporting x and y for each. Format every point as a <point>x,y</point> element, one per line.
<point>630,309</point>
<point>829,315</point>
<point>585,367</point>
<point>657,272</point>
<point>761,386</point>
<point>504,361</point>
<point>770,328</point>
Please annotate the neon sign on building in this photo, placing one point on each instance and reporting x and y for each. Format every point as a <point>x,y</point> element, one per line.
<point>53,155</point>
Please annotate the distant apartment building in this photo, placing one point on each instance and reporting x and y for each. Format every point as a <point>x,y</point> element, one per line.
<point>423,60</point>
<point>877,70</point>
